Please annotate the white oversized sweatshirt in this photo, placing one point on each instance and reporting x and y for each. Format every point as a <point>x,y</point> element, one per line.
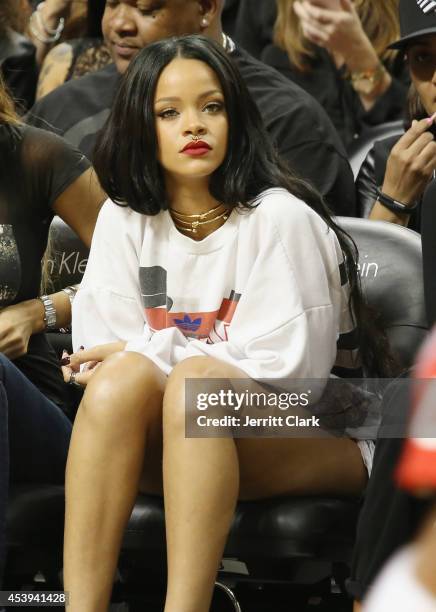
<point>263,292</point>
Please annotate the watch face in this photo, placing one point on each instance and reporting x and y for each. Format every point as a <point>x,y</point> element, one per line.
<point>10,266</point>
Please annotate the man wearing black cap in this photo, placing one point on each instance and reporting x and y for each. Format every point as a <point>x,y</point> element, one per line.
<point>398,169</point>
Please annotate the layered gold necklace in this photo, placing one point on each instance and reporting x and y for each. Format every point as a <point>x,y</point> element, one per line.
<point>191,223</point>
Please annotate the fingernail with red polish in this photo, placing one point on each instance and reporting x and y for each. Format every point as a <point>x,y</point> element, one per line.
<point>81,348</point>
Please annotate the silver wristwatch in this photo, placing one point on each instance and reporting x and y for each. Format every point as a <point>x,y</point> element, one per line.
<point>49,312</point>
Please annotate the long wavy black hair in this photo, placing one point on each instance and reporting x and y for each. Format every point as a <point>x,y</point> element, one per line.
<point>126,162</point>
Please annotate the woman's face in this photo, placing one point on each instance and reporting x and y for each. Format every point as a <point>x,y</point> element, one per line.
<point>191,120</point>
<point>421,57</point>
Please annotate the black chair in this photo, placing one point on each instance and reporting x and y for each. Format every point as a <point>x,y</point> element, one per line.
<point>361,146</point>
<point>296,541</point>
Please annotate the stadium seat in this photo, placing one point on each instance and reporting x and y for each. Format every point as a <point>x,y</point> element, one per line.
<point>360,147</point>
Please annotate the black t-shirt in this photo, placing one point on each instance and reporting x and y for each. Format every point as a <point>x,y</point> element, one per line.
<point>303,133</point>
<point>36,167</point>
<point>78,109</point>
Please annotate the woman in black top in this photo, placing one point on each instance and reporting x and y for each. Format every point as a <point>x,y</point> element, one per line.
<point>40,175</point>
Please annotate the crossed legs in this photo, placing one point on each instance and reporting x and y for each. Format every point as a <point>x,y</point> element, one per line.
<point>130,418</point>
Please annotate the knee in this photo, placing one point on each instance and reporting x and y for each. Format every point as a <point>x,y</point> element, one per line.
<point>122,387</point>
<point>180,395</point>
<point>200,367</point>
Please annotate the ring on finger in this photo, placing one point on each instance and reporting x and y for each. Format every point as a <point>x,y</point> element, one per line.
<point>72,380</point>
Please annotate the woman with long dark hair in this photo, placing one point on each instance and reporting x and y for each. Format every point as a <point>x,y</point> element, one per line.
<point>212,260</point>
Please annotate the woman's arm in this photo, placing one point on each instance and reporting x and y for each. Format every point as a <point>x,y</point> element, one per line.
<point>78,205</point>
<point>54,69</point>
<point>409,168</point>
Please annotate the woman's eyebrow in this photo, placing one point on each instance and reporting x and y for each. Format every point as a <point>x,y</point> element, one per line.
<point>202,95</point>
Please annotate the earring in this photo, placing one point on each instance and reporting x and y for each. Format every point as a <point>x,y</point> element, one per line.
<point>204,22</point>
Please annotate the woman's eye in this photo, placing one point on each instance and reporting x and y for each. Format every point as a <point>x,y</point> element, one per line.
<point>213,107</point>
<point>168,113</point>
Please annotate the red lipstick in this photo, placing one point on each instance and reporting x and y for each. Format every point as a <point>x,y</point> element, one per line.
<point>196,148</point>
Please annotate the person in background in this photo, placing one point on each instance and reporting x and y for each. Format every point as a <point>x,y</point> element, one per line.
<point>301,131</point>
<point>335,50</point>
<point>398,169</point>
<point>76,57</point>
<point>40,176</point>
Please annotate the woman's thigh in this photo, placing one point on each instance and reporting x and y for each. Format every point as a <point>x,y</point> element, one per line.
<point>38,432</point>
<point>272,466</point>
<point>299,466</point>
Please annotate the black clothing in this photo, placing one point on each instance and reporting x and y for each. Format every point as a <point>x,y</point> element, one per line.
<point>428,236</point>
<point>389,517</point>
<point>36,167</point>
<point>19,69</point>
<point>327,84</point>
<point>302,131</point>
<point>229,15</point>
<point>334,91</point>
<point>371,176</point>
<point>254,25</point>
<point>78,109</point>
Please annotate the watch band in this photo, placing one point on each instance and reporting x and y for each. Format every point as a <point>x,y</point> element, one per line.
<point>71,292</point>
<point>394,205</point>
<point>49,312</point>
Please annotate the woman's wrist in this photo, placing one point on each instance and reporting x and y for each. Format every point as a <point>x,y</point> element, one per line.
<point>361,56</point>
<point>407,199</point>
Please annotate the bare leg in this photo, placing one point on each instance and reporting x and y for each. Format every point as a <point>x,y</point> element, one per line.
<point>119,416</point>
<point>202,478</point>
<point>201,483</point>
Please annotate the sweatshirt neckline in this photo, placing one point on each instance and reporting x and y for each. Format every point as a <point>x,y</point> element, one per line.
<point>210,243</point>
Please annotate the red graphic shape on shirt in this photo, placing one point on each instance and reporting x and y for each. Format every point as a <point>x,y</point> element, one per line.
<point>193,324</point>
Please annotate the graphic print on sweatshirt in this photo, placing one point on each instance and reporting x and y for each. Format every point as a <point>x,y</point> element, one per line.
<point>209,325</point>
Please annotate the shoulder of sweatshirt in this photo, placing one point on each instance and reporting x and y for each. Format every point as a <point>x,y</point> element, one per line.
<point>287,212</point>
<point>120,222</point>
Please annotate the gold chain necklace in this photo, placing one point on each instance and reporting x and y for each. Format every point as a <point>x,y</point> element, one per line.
<point>190,223</point>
